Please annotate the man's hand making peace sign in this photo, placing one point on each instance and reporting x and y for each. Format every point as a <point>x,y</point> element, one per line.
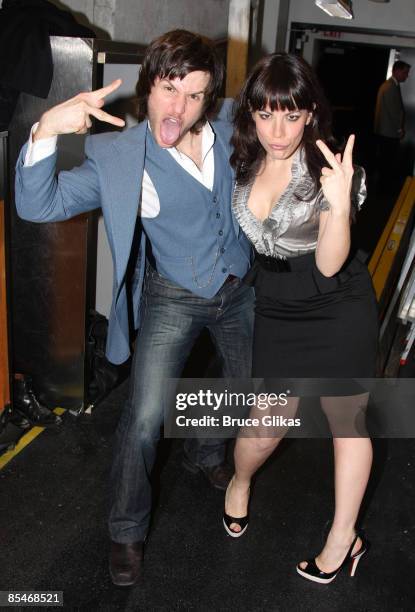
<point>74,115</point>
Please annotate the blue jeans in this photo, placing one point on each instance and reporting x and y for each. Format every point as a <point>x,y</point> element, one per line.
<point>171,322</point>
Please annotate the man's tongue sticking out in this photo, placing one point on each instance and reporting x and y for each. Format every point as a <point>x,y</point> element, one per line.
<point>169,131</point>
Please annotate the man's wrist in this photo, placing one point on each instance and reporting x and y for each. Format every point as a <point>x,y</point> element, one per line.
<point>41,133</point>
<point>42,148</point>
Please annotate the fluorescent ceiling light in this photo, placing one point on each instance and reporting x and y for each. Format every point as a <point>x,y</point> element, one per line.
<point>336,8</point>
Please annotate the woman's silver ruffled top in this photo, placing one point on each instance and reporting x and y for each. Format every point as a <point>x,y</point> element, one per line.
<point>292,226</point>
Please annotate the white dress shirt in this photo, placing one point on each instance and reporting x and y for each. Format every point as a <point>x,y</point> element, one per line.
<point>149,203</point>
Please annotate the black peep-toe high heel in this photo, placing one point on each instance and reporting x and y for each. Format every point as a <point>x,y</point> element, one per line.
<point>312,572</point>
<point>241,521</point>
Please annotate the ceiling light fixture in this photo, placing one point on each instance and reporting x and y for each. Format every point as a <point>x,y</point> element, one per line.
<point>336,8</point>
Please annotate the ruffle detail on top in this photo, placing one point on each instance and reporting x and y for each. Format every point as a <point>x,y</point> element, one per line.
<point>277,235</point>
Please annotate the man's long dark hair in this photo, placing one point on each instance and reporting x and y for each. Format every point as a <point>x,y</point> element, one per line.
<point>281,81</point>
<point>174,55</point>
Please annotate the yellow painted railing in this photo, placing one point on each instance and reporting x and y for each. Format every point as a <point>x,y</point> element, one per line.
<point>383,258</point>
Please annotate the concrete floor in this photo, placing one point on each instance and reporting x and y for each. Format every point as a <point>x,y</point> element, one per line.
<point>53,528</point>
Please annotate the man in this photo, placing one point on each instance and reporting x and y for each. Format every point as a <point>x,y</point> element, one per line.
<point>172,170</point>
<point>390,124</point>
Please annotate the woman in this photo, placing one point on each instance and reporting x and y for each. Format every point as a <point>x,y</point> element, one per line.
<point>315,314</point>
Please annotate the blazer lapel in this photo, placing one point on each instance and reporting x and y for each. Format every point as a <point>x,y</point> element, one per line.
<point>125,174</point>
<point>223,137</point>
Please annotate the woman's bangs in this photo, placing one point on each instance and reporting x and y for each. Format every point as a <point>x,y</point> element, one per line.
<point>279,94</point>
<point>282,100</point>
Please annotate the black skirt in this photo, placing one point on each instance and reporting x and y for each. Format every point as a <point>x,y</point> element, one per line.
<point>311,326</point>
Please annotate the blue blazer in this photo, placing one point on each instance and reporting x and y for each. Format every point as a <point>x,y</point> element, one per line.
<point>110,178</point>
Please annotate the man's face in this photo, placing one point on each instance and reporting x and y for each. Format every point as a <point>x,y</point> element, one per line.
<point>175,105</point>
<point>401,75</point>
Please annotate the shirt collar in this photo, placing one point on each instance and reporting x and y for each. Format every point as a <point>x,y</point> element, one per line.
<point>208,139</point>
<point>299,165</point>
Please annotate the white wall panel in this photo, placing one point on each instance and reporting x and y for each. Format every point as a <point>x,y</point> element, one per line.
<point>398,15</point>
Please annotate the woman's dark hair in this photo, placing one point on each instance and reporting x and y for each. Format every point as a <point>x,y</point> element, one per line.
<point>174,55</point>
<point>283,82</point>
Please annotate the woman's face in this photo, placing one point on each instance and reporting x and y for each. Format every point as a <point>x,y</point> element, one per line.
<point>280,131</point>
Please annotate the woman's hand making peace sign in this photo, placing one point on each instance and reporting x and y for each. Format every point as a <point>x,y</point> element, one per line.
<point>336,181</point>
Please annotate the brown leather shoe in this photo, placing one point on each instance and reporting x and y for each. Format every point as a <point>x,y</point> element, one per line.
<point>126,561</point>
<point>218,475</point>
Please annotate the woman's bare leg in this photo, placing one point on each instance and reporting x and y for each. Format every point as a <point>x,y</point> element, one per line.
<point>252,449</point>
<point>353,461</point>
